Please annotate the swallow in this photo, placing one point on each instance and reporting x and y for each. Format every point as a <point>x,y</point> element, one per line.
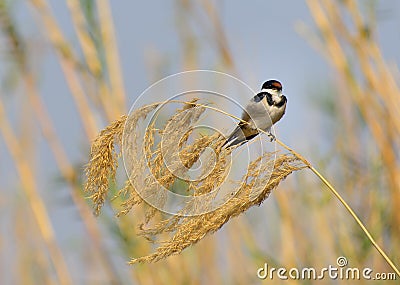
<point>265,109</point>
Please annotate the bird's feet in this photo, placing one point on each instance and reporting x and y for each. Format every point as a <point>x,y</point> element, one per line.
<point>271,136</point>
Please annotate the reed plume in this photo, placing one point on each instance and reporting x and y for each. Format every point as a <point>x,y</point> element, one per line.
<point>157,161</point>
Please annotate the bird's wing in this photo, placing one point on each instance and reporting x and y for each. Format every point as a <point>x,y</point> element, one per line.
<point>242,133</point>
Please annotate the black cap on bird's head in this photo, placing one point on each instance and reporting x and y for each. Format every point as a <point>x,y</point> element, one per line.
<point>272,84</point>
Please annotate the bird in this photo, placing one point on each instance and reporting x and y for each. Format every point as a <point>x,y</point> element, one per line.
<point>265,109</point>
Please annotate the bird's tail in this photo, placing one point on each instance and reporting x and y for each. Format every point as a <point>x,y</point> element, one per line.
<point>238,137</point>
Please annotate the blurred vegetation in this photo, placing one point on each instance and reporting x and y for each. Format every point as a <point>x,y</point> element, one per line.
<point>303,226</point>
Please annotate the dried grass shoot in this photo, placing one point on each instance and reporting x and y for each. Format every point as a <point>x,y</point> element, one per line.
<point>163,156</point>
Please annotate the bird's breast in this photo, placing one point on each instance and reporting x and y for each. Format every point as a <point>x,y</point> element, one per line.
<point>263,115</point>
<point>276,113</point>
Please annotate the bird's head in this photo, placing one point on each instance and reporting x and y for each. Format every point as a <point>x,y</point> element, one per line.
<point>273,87</point>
